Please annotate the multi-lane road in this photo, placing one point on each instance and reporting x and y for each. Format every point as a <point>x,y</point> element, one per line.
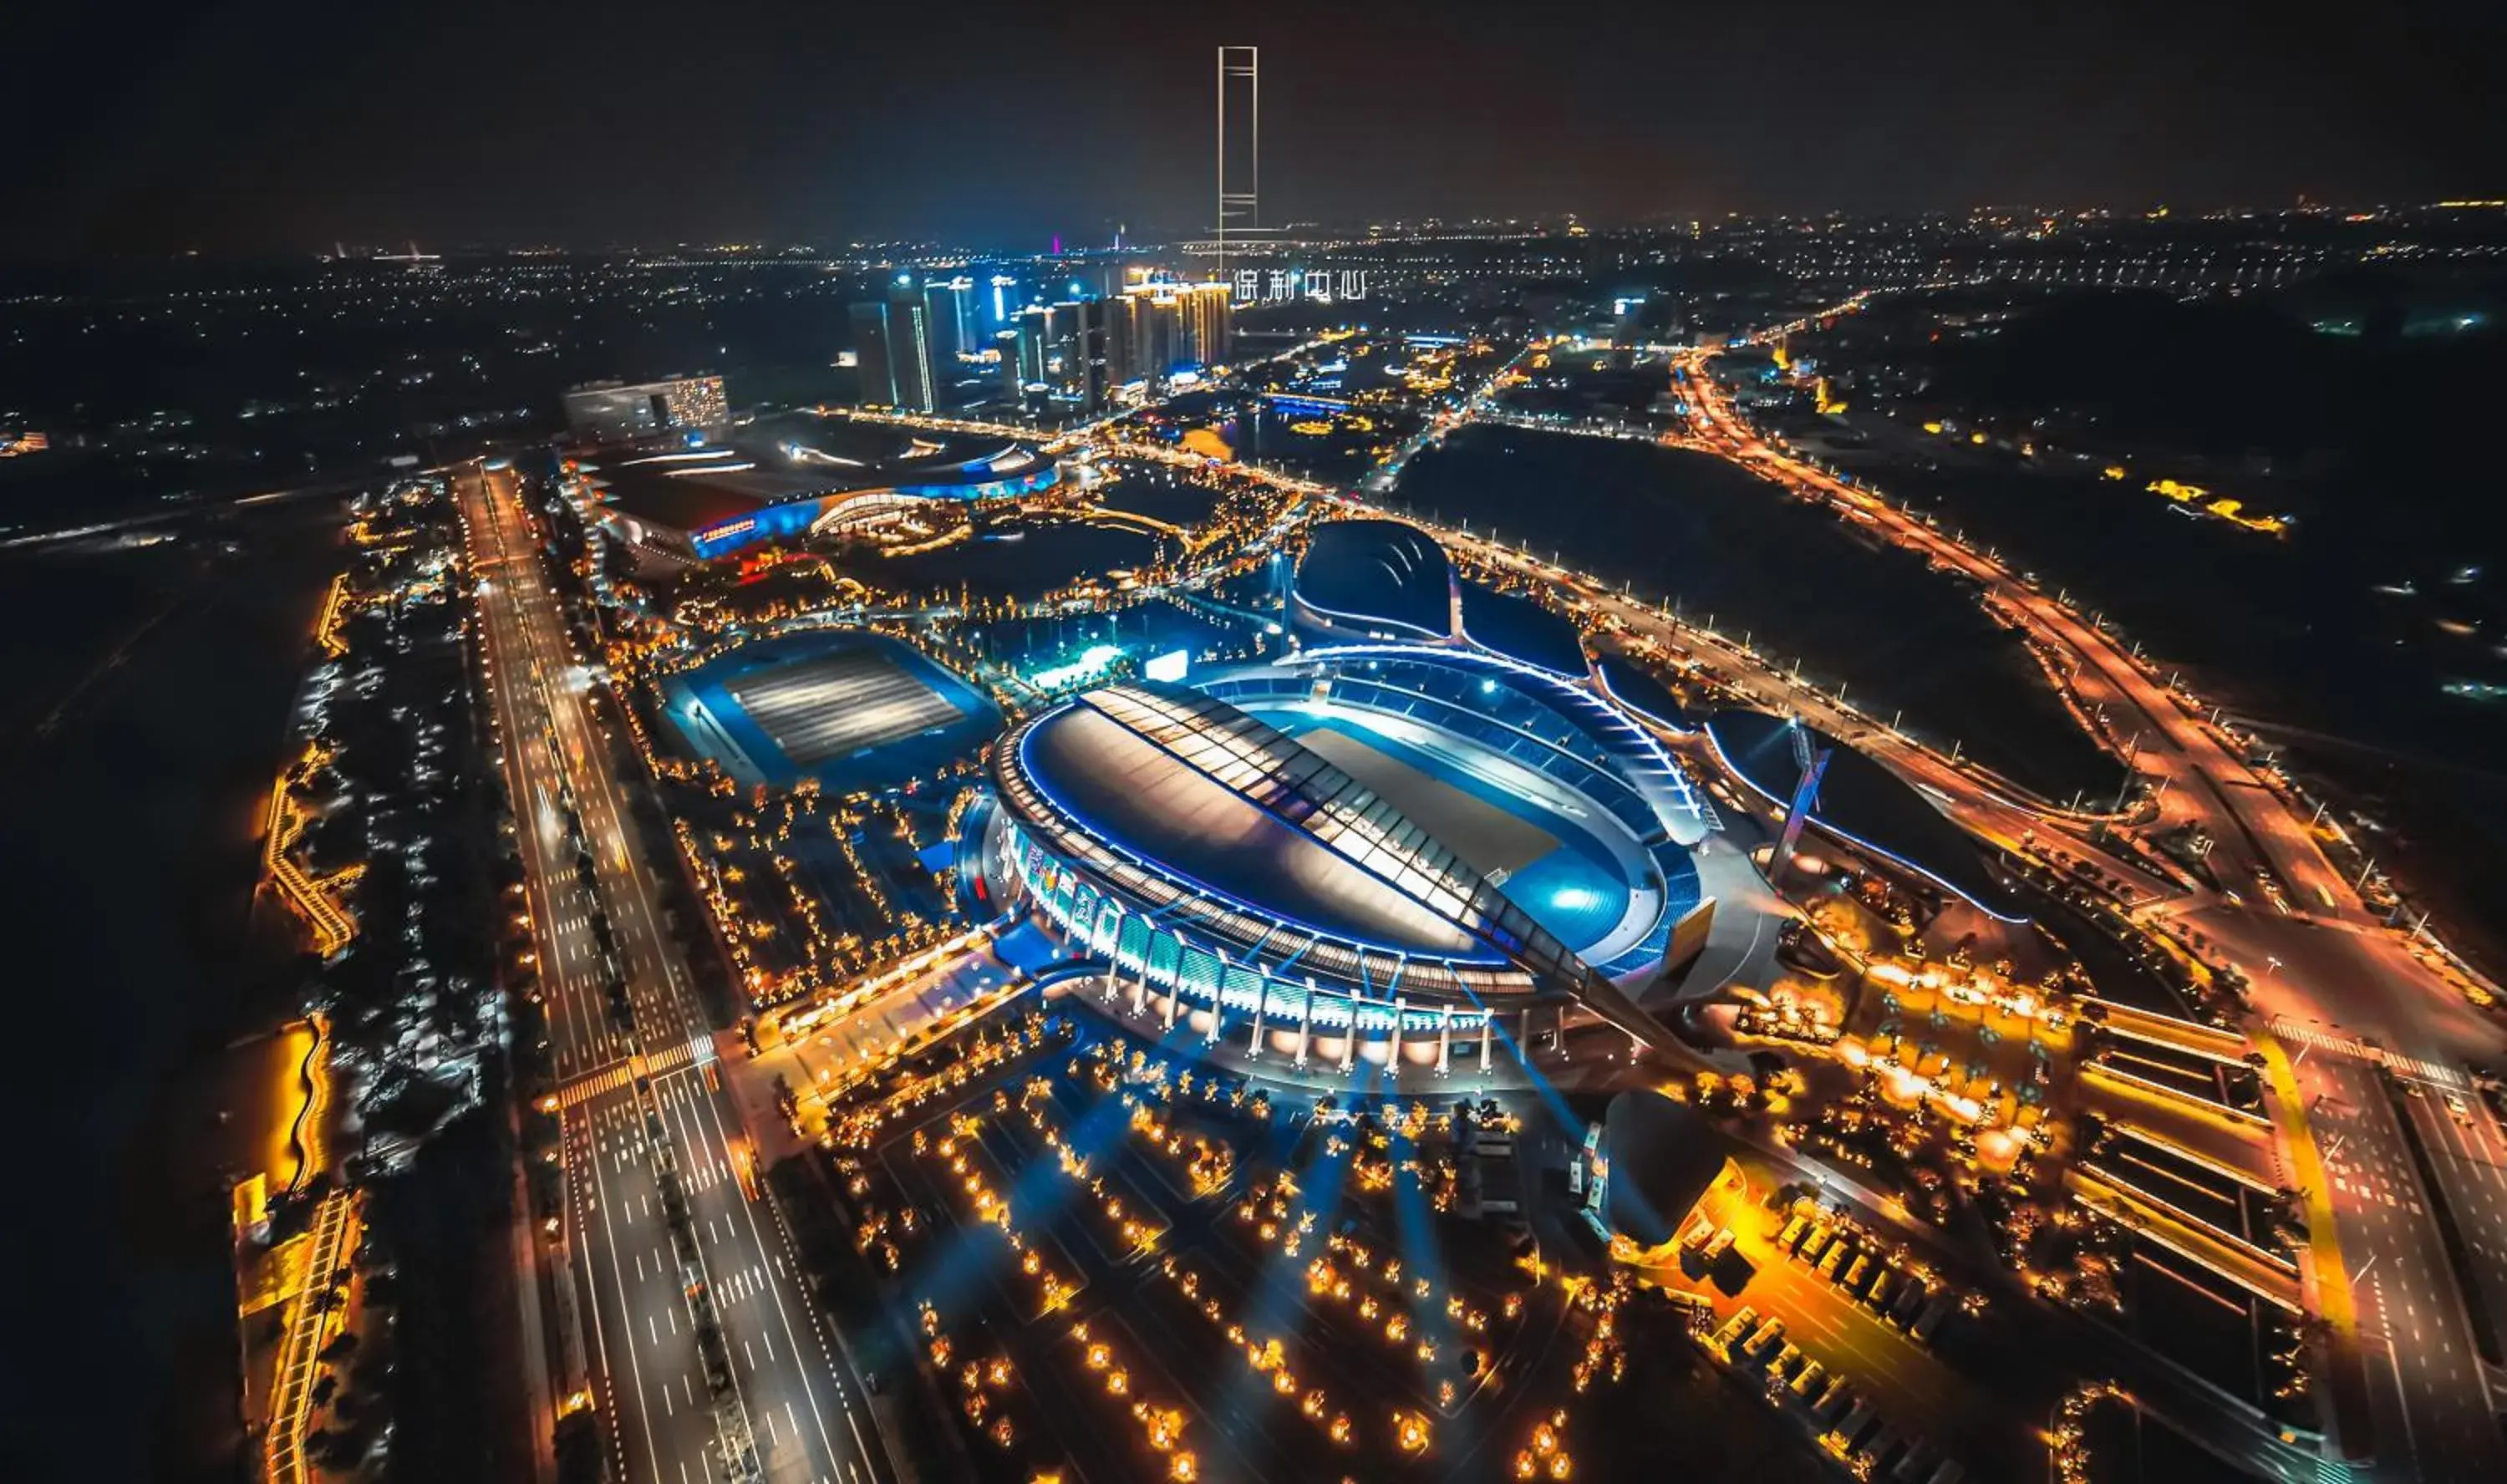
<point>2430,1391</point>
<point>648,1127</point>
<point>2332,980</point>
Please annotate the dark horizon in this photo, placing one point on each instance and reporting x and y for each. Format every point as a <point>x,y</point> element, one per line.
<point>283,127</point>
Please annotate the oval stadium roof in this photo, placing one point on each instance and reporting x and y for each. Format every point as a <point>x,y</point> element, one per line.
<point>1166,781</point>
<point>1153,805</point>
<point>1862,801</point>
<point>1378,571</point>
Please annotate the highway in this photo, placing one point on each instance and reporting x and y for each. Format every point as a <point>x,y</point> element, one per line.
<point>2324,972</point>
<point>2427,1392</point>
<point>642,1106</point>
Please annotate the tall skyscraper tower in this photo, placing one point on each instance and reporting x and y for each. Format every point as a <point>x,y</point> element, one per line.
<point>1087,375</point>
<point>1209,323</point>
<point>1240,145</point>
<point>1006,350</point>
<point>951,309</point>
<point>1004,302</point>
<point>870,355</point>
<point>1037,362</point>
<point>892,348</point>
<point>909,347</point>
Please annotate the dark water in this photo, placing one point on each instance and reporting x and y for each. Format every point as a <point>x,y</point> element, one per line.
<point>1797,580</point>
<point>1026,562</point>
<point>167,676</point>
<point>1160,497</point>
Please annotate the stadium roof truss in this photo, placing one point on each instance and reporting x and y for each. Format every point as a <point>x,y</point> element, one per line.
<point>1281,776</point>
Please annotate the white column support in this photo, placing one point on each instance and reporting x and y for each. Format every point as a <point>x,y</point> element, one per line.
<point>1218,1002</point>
<point>1392,1048</point>
<point>1262,1002</point>
<point>1349,1042</point>
<point>1306,1024</point>
<point>1488,1033</point>
<point>1444,1042</point>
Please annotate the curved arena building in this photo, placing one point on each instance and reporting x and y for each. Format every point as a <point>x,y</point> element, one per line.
<point>1390,855</point>
<point>705,503</point>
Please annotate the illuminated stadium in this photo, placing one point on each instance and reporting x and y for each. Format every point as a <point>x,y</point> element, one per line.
<point>1361,856</point>
<point>698,504</point>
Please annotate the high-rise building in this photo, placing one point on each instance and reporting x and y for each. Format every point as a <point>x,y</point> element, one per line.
<point>1038,362</point>
<point>1144,336</point>
<point>1209,323</point>
<point>1013,379</point>
<point>1003,304</point>
<point>871,359</point>
<point>909,344</point>
<point>1086,374</point>
<point>949,314</point>
<point>614,411</point>
<point>1240,146</point>
<point>1123,314</point>
<point>893,346</point>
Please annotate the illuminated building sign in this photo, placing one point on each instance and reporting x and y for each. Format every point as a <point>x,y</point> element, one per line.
<point>1276,285</point>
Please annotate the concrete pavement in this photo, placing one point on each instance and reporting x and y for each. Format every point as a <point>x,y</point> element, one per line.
<point>650,1128</point>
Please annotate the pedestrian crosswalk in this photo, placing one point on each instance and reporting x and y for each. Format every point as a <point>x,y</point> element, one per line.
<point>673,1057</point>
<point>2402,1066</point>
<point>591,1085</point>
<point>696,1051</point>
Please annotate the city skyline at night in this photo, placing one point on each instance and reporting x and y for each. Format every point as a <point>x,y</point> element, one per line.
<point>769,744</point>
<point>231,133</point>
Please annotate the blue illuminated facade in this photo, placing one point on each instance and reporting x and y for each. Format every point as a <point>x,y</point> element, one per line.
<point>792,518</point>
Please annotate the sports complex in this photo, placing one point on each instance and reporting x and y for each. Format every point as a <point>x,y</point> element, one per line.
<point>1411,851</point>
<point>853,710</point>
<point>777,482</point>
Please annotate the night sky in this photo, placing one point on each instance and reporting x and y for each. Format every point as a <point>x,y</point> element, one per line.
<point>286,125</point>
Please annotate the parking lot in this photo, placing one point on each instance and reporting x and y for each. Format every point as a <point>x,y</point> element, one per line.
<point>1856,1342</point>
<point>1123,1266</point>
